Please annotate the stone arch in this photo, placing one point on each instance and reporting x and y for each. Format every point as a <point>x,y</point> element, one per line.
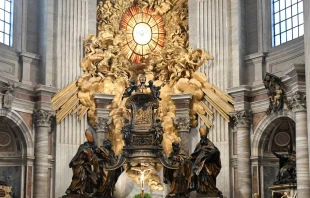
<point>265,127</point>
<point>19,126</point>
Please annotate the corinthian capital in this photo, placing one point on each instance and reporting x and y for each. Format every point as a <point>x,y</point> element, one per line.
<point>103,124</point>
<point>243,117</point>
<point>182,123</point>
<point>43,117</point>
<point>299,102</point>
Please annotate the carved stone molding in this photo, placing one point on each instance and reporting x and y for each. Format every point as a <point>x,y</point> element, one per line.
<point>9,95</point>
<point>242,118</point>
<point>103,124</point>
<point>43,117</point>
<point>299,102</point>
<point>182,123</point>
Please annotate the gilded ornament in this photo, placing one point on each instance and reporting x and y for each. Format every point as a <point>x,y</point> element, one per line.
<point>112,64</point>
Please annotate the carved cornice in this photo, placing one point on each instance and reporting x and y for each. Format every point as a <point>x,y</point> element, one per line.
<point>182,123</point>
<point>299,102</point>
<point>43,117</point>
<point>242,118</point>
<point>103,124</point>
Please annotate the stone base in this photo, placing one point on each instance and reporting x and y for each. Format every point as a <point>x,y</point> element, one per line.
<point>75,196</point>
<point>279,190</point>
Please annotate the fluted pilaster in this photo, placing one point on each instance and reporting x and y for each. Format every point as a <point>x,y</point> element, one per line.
<point>302,152</point>
<point>242,121</point>
<point>43,121</point>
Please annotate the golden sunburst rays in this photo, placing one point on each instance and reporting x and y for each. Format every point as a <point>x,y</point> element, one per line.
<point>145,33</point>
<point>219,101</point>
<point>66,101</point>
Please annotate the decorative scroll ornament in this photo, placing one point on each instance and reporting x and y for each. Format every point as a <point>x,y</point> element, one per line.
<point>276,93</point>
<point>299,102</point>
<point>9,95</point>
<point>243,117</point>
<point>43,117</point>
<point>182,123</point>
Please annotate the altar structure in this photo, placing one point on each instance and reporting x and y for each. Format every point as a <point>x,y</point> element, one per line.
<point>65,64</point>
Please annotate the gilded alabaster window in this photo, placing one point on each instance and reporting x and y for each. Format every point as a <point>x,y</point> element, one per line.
<point>287,20</point>
<point>144,32</point>
<point>6,21</point>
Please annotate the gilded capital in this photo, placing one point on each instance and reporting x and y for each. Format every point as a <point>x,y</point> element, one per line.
<point>298,101</point>
<point>43,117</point>
<point>182,123</point>
<point>242,118</point>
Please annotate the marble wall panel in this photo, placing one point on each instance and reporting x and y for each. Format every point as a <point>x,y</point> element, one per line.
<point>11,175</point>
<point>270,176</point>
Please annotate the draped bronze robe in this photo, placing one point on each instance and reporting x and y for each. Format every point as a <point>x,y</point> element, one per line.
<point>206,165</point>
<point>179,178</point>
<point>107,179</point>
<point>83,177</point>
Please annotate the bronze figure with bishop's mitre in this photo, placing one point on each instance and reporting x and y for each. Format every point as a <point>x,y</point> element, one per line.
<point>83,178</point>
<point>206,165</point>
<point>179,178</point>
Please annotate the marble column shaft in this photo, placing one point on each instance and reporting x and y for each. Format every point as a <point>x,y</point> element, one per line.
<point>302,153</point>
<point>182,119</point>
<point>43,125</point>
<point>242,121</point>
<point>103,119</point>
<point>307,61</point>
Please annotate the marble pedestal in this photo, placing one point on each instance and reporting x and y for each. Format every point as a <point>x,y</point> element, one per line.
<point>279,190</point>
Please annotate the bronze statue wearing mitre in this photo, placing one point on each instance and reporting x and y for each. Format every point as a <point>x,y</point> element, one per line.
<point>83,178</point>
<point>206,165</point>
<point>179,178</point>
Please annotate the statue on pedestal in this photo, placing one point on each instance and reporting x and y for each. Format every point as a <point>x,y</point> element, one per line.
<point>83,178</point>
<point>206,165</point>
<point>287,169</point>
<point>179,178</point>
<point>106,178</point>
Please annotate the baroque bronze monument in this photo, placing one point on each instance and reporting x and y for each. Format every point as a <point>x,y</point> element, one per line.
<point>146,42</point>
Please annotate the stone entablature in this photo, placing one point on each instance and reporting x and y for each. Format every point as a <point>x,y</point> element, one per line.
<point>255,97</point>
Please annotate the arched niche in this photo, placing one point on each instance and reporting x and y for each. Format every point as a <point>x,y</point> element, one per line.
<point>275,132</point>
<point>16,153</point>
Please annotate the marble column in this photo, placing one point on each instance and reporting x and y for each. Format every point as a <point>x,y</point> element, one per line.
<point>242,121</point>
<point>307,59</point>
<point>182,119</point>
<point>302,149</point>
<point>43,120</point>
<point>103,119</point>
